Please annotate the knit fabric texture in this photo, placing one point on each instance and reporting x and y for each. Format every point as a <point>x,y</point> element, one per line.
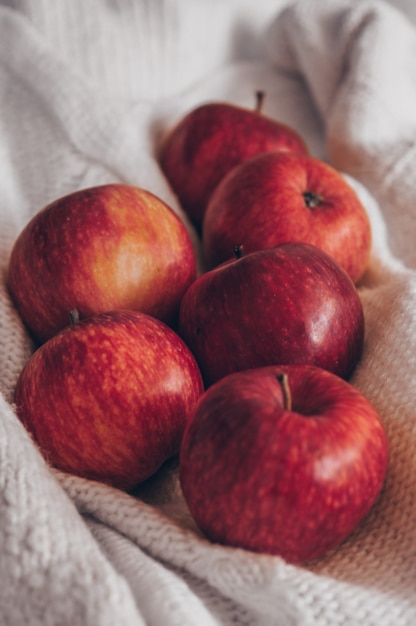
<point>87,91</point>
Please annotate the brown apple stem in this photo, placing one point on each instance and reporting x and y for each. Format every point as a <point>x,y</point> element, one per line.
<point>73,317</point>
<point>259,101</point>
<point>238,251</point>
<point>287,396</point>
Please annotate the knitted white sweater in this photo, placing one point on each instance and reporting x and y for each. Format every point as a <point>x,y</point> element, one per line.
<point>86,92</point>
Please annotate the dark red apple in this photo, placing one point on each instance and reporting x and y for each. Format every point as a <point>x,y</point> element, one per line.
<point>288,304</point>
<point>100,249</point>
<point>278,197</point>
<point>282,460</point>
<point>108,397</point>
<point>210,140</point>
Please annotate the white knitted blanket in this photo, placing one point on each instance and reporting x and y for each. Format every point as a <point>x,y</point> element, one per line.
<point>86,91</point>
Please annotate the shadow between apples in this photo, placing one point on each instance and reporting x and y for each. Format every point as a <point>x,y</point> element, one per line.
<point>163,491</point>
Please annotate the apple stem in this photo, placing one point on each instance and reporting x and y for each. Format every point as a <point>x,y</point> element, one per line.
<point>238,251</point>
<point>287,396</point>
<point>73,317</point>
<point>259,101</point>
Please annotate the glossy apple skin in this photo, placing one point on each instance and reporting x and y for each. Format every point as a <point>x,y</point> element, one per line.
<point>275,197</point>
<point>100,249</point>
<point>108,398</point>
<point>212,139</point>
<point>289,482</point>
<point>289,304</point>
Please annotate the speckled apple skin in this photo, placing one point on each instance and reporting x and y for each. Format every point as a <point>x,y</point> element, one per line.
<point>289,304</point>
<point>293,483</point>
<point>108,398</point>
<point>264,202</point>
<point>212,139</point>
<point>100,249</point>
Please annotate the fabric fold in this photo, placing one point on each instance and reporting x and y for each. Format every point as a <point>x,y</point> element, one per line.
<point>77,552</point>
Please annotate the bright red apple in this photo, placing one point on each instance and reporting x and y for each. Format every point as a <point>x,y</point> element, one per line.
<point>278,197</point>
<point>210,140</point>
<point>100,249</point>
<point>108,397</point>
<point>289,304</point>
<point>282,460</point>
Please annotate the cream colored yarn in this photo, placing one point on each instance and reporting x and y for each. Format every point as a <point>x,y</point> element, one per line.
<point>86,92</point>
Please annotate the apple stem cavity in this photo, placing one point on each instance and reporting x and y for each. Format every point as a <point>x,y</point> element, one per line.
<point>283,380</point>
<point>238,251</point>
<point>73,317</point>
<point>312,200</point>
<point>259,101</point>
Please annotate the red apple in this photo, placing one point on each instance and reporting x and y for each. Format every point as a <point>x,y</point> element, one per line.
<point>278,197</point>
<point>100,249</point>
<point>289,304</point>
<point>108,397</point>
<point>213,138</point>
<point>282,460</point>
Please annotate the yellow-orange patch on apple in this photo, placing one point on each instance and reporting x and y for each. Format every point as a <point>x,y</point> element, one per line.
<point>100,249</point>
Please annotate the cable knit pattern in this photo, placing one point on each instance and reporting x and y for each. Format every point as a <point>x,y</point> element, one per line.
<point>87,92</point>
